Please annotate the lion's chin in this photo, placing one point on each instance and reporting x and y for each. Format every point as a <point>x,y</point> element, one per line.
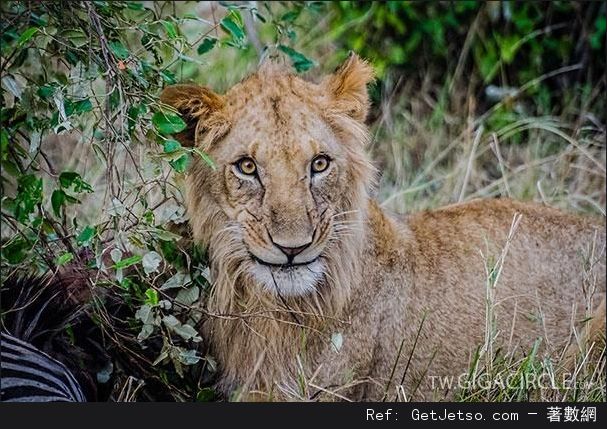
<point>289,281</point>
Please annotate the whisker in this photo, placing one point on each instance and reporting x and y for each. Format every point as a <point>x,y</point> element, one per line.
<point>346,222</point>
<point>344,213</point>
<point>347,228</point>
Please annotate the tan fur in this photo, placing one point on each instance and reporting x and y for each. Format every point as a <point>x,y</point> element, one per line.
<point>377,276</point>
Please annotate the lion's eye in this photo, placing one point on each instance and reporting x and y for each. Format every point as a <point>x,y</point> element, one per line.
<point>320,164</point>
<point>246,166</point>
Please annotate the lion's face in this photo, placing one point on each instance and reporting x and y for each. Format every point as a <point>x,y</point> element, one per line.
<point>288,174</point>
<point>284,175</point>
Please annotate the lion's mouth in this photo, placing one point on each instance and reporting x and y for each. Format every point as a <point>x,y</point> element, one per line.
<point>288,279</point>
<point>285,265</point>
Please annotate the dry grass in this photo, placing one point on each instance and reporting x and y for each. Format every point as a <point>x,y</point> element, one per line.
<point>555,161</point>
<point>558,161</point>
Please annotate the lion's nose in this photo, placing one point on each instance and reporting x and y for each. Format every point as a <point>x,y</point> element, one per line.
<point>291,252</point>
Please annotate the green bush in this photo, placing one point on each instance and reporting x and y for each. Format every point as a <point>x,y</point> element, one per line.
<point>84,78</point>
<point>490,48</point>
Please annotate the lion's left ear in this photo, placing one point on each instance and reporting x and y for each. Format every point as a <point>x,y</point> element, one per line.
<point>202,110</point>
<point>347,88</point>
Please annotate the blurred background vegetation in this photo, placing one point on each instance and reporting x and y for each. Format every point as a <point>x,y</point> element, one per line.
<point>472,99</point>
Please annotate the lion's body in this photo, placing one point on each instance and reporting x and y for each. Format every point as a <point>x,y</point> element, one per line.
<point>425,274</point>
<point>316,288</point>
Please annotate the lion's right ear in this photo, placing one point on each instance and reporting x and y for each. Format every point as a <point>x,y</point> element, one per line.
<point>203,111</point>
<point>348,87</point>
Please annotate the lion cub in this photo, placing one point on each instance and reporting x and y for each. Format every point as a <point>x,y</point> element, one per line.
<point>318,292</point>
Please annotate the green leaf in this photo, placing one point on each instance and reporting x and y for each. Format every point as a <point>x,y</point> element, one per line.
<point>168,77</point>
<point>77,37</point>
<point>181,163</point>
<point>151,261</point>
<point>178,280</point>
<point>232,24</point>
<point>26,35</point>
<point>65,258</point>
<point>170,321</point>
<point>188,357</point>
<point>3,144</point>
<point>86,235</point>
<point>206,158</point>
<point>82,106</point>
<point>71,199</point>
<point>206,394</point>
<point>13,86</point>
<point>232,27</point>
<point>67,179</point>
<point>46,91</point>
<point>114,99</point>
<point>11,168</point>
<point>134,112</point>
<point>171,146</point>
<point>508,47</point>
<point>16,250</point>
<point>146,331</point>
<point>151,297</point>
<point>145,314</point>
<point>168,123</point>
<point>207,44</point>
<point>170,28</point>
<point>57,201</point>
<point>337,340</point>
<point>148,217</point>
<point>300,62</point>
<point>188,296</point>
<point>29,195</point>
<point>598,35</point>
<point>291,15</point>
<point>77,107</point>
<point>162,356</point>
<point>119,50</point>
<point>126,284</point>
<point>165,235</point>
<point>127,262</point>
<point>185,331</point>
<point>134,5</point>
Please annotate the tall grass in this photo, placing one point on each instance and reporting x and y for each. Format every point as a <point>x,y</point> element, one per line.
<point>554,160</point>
